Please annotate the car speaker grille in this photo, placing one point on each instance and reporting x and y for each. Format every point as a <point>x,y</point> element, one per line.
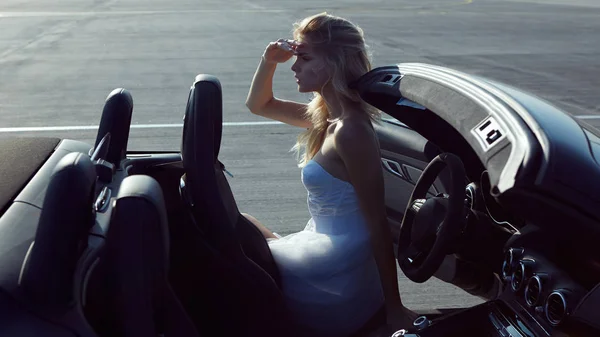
<point>533,291</point>
<point>556,308</point>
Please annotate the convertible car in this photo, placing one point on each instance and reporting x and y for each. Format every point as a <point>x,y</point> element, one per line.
<point>487,187</point>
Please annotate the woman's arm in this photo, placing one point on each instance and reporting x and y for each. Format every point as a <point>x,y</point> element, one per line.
<point>260,98</point>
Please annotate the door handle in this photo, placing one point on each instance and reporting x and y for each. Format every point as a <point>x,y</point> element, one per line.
<point>392,167</point>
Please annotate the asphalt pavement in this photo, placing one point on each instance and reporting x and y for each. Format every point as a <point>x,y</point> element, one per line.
<point>59,60</point>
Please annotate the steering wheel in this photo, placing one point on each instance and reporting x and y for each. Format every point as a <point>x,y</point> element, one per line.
<point>431,226</point>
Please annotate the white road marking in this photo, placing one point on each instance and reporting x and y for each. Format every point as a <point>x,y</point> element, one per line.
<point>161,126</point>
<point>588,116</point>
<point>133,126</point>
<point>133,12</point>
<point>254,9</point>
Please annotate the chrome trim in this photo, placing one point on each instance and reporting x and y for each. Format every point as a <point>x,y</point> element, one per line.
<point>533,318</point>
<point>536,279</point>
<point>182,193</point>
<point>421,322</point>
<point>103,200</point>
<point>395,170</point>
<point>507,265</point>
<point>521,268</point>
<point>417,204</point>
<point>564,304</point>
<point>470,193</point>
<point>506,274</point>
<point>513,332</point>
<point>399,333</point>
<point>24,263</point>
<point>525,266</point>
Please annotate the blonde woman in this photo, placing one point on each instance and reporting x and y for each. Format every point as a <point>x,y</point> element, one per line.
<point>340,270</point>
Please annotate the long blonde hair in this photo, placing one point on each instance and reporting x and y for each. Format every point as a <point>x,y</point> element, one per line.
<point>342,45</point>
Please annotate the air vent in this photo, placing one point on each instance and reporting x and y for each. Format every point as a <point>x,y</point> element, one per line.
<point>533,291</point>
<point>556,308</point>
<point>517,279</point>
<point>391,79</point>
<point>511,259</point>
<point>507,266</point>
<point>522,273</point>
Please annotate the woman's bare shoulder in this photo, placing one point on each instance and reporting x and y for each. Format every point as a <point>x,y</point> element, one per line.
<point>350,132</point>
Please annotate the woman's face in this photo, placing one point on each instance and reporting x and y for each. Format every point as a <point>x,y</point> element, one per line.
<point>309,69</point>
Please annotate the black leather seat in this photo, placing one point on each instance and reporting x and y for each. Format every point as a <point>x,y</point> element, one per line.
<point>50,280</point>
<point>136,266</point>
<point>205,184</point>
<point>223,271</point>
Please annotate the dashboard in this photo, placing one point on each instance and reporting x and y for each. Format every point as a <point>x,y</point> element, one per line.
<point>537,299</point>
<point>538,188</point>
<point>545,276</point>
<point>479,198</point>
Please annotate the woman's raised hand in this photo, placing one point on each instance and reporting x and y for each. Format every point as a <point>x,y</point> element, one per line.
<point>280,51</point>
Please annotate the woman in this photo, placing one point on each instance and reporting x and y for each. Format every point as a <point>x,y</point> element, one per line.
<point>340,270</point>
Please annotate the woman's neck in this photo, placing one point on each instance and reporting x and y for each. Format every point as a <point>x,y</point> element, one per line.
<point>336,108</point>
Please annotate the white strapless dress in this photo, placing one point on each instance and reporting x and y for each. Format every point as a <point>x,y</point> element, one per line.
<point>329,275</point>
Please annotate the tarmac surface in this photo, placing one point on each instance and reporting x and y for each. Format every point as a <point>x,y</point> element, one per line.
<point>59,60</point>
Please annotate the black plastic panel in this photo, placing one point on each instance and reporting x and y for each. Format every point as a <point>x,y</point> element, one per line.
<point>402,140</point>
<point>588,310</point>
<point>17,321</point>
<point>17,231</point>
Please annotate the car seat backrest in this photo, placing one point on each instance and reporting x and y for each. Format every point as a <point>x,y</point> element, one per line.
<point>222,267</point>
<point>200,146</point>
<point>140,297</point>
<point>205,186</point>
<point>67,216</point>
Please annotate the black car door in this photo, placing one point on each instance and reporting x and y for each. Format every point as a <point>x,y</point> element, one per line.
<point>404,156</point>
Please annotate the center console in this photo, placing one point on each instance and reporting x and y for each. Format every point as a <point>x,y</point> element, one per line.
<point>537,300</point>
<point>491,319</point>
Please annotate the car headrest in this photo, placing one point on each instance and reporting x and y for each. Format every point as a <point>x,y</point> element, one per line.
<point>116,120</point>
<point>141,197</point>
<point>66,218</point>
<point>203,121</point>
